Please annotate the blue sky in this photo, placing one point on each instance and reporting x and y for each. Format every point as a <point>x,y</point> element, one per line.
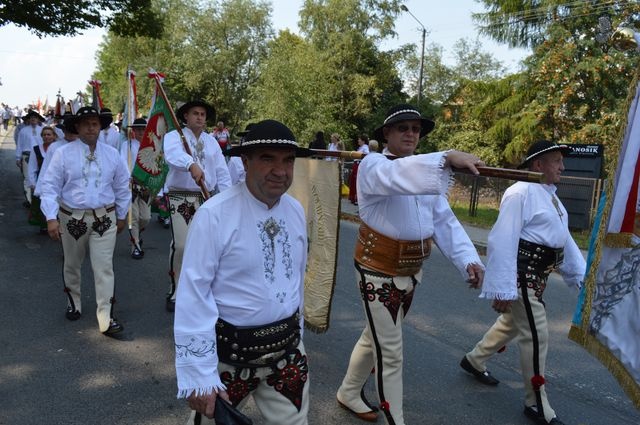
<point>31,67</point>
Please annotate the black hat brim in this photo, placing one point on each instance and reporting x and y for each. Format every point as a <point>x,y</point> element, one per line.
<point>564,150</point>
<point>210,111</point>
<point>33,114</point>
<point>242,149</point>
<point>426,124</point>
<point>70,123</point>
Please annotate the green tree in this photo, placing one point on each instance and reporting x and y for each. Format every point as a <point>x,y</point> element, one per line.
<point>573,87</point>
<point>64,17</point>
<point>210,51</point>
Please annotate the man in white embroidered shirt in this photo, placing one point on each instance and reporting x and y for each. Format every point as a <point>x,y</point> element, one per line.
<point>529,239</point>
<point>403,208</point>
<point>246,278</point>
<point>85,197</point>
<point>205,165</point>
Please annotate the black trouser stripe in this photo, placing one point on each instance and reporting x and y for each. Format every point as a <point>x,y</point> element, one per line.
<point>534,339</point>
<point>64,283</point>
<point>173,253</point>
<point>377,347</point>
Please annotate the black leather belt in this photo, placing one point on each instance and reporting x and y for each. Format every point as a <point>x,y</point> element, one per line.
<point>540,259</point>
<point>259,346</point>
<point>108,209</point>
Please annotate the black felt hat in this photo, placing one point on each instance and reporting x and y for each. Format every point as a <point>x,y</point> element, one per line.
<point>541,147</point>
<point>33,113</point>
<point>105,117</point>
<point>270,134</point>
<point>139,123</point>
<point>404,112</point>
<point>184,108</point>
<point>67,119</point>
<point>246,131</point>
<point>86,112</point>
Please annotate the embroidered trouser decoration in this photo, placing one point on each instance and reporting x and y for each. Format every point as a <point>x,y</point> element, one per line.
<point>240,383</point>
<point>281,392</point>
<point>83,236</point>
<point>289,378</point>
<point>183,206</point>
<point>386,301</point>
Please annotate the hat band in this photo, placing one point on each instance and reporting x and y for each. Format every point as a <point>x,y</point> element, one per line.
<point>271,141</point>
<point>403,111</point>
<point>550,148</point>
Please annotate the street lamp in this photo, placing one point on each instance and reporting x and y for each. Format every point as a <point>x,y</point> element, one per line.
<point>424,33</point>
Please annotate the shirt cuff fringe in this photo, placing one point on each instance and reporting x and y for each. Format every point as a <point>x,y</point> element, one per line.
<point>502,296</point>
<point>186,392</point>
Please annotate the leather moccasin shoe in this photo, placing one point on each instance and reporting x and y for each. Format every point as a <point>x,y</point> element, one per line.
<point>484,377</point>
<point>137,254</point>
<point>114,328</point>
<point>72,314</point>
<point>170,305</point>
<point>369,416</point>
<point>532,413</point>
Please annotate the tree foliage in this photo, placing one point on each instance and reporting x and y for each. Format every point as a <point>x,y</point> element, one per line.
<point>211,52</point>
<point>64,17</point>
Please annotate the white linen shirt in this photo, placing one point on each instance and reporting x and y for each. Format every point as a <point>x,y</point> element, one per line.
<point>247,269</point>
<point>28,137</point>
<point>47,160</point>
<point>110,136</point>
<point>404,199</point>
<point>527,212</point>
<point>32,165</point>
<point>206,153</point>
<point>236,170</point>
<point>82,184</point>
<point>124,152</point>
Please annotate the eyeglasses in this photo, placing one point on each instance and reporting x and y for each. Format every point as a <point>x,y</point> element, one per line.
<point>404,127</point>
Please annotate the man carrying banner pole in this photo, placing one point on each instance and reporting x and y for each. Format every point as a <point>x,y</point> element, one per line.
<point>529,240</point>
<point>197,170</point>
<point>403,208</point>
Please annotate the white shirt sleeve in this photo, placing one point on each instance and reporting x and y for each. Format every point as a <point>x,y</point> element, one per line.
<point>33,167</point>
<point>413,175</point>
<point>51,187</point>
<point>451,238</point>
<point>196,311</point>
<point>174,152</point>
<point>500,280</point>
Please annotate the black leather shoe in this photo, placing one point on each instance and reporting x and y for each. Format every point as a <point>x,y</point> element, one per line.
<point>170,305</point>
<point>484,377</point>
<point>72,314</point>
<point>532,413</point>
<point>114,328</point>
<point>137,254</point>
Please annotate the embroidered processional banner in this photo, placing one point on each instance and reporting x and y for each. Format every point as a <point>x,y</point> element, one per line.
<point>607,318</point>
<point>316,185</point>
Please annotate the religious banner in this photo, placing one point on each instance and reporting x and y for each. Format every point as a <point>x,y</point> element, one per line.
<point>96,101</point>
<point>131,106</point>
<point>316,185</point>
<point>150,168</point>
<point>607,318</point>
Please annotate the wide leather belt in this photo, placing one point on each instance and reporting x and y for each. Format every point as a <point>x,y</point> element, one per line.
<point>539,259</point>
<point>78,213</point>
<point>390,256</point>
<point>257,346</point>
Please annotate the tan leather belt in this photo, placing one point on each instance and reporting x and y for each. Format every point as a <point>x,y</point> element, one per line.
<point>389,256</point>
<point>70,211</point>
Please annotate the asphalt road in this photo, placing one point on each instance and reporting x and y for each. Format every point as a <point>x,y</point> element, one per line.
<point>53,371</point>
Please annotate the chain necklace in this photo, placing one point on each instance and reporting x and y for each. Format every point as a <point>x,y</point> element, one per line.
<point>556,204</point>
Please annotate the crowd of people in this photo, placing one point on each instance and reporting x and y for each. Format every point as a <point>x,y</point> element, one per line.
<point>236,282</point>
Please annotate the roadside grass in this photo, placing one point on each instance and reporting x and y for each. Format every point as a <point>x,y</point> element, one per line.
<point>486,216</point>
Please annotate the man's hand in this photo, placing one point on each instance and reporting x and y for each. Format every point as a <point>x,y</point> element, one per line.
<point>53,229</point>
<point>501,306</point>
<point>120,225</point>
<point>205,403</point>
<point>457,159</point>
<point>196,173</point>
<point>476,275</point>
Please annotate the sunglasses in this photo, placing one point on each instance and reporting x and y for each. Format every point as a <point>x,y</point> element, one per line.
<point>404,127</point>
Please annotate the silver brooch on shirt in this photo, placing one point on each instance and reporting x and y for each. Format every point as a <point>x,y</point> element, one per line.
<point>274,233</point>
<point>555,203</point>
<point>91,158</point>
